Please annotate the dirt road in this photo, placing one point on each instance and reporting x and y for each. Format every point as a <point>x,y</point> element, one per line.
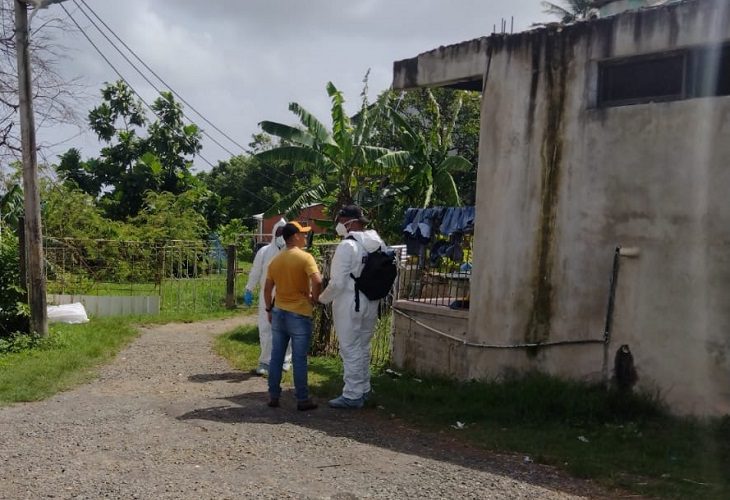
<point>170,419</point>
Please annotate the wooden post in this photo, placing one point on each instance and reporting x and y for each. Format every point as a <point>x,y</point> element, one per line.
<point>36,279</point>
<point>231,278</point>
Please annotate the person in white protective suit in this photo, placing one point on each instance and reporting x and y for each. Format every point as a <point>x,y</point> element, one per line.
<point>354,328</point>
<point>258,277</point>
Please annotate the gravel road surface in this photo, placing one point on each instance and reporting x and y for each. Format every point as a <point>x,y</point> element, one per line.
<point>170,419</point>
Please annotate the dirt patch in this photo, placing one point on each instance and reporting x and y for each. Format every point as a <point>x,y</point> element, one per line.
<point>170,419</point>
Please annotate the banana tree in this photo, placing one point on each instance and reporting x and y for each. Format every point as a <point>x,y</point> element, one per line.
<point>349,169</point>
<point>431,163</point>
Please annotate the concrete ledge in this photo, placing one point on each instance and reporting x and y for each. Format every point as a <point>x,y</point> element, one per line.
<point>419,349</point>
<point>459,66</point>
<point>426,308</point>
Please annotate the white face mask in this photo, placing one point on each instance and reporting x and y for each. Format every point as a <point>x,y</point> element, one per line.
<point>341,229</point>
<point>280,243</point>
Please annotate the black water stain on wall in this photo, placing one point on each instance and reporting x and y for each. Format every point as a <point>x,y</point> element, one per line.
<point>555,67</point>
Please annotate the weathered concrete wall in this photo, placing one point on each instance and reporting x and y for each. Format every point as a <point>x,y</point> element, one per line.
<point>419,349</point>
<point>457,65</point>
<point>561,183</point>
<point>613,7</point>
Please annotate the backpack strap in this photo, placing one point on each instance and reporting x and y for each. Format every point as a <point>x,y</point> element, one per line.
<point>357,288</point>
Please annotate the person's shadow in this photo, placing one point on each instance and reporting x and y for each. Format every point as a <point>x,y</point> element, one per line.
<point>369,426</point>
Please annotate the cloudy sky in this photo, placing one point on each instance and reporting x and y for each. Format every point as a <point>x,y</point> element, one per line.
<point>242,61</point>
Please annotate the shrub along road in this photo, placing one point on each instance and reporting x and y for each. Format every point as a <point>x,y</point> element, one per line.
<point>170,419</point>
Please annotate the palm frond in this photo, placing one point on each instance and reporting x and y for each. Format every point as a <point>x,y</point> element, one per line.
<point>555,10</point>
<point>341,127</point>
<point>315,127</point>
<point>452,164</point>
<point>293,203</point>
<point>293,154</point>
<point>395,159</point>
<point>409,136</point>
<point>446,187</point>
<point>291,134</point>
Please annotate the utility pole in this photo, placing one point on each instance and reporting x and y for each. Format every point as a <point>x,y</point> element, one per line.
<point>36,276</point>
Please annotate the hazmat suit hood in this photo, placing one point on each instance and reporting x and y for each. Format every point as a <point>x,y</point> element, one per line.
<point>280,223</point>
<point>369,239</point>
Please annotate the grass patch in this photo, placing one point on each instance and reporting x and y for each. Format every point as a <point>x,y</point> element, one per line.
<point>177,295</point>
<point>66,359</point>
<point>72,353</point>
<point>624,441</point>
<point>241,348</point>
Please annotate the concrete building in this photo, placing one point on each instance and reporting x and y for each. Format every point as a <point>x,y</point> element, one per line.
<point>602,134</point>
<point>612,7</point>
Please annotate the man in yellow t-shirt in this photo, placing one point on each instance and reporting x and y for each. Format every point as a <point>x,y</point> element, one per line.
<point>296,277</point>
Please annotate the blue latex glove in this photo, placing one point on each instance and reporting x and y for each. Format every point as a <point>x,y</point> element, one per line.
<point>248,297</point>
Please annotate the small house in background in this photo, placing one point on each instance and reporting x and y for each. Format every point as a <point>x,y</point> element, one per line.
<point>308,216</point>
<point>602,218</point>
<point>612,7</point>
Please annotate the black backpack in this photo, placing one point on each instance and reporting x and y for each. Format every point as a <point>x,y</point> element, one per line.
<point>377,276</point>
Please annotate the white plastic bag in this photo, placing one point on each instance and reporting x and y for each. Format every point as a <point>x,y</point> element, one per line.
<point>68,313</point>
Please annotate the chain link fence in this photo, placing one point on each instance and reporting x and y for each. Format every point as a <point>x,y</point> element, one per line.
<point>187,276</point>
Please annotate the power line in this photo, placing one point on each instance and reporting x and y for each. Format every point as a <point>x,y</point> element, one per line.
<point>119,74</point>
<point>160,78</point>
<point>275,182</point>
<point>152,84</point>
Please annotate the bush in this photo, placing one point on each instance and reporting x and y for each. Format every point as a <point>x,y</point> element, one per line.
<point>13,308</point>
<point>19,342</point>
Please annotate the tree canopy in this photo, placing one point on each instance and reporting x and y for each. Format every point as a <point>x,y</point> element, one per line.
<point>138,156</point>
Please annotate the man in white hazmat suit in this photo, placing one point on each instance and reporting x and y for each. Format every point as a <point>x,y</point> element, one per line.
<point>354,328</point>
<point>258,277</point>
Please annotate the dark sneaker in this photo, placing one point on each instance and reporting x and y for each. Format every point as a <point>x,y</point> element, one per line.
<point>350,404</point>
<point>273,403</point>
<point>306,405</point>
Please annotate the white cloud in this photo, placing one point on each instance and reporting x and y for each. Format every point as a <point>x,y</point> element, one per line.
<point>243,61</point>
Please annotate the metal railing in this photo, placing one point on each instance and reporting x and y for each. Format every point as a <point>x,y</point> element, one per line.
<point>440,274</point>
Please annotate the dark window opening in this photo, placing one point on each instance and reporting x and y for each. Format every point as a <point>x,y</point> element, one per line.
<point>700,72</point>
<point>643,79</point>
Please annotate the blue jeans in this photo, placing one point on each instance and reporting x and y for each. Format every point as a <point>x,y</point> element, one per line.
<point>287,326</point>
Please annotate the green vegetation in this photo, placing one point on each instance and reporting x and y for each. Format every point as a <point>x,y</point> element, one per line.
<point>32,368</point>
<point>349,168</point>
<point>620,440</point>
<point>138,157</point>
<point>241,348</point>
<point>66,358</point>
<point>13,309</point>
<point>570,11</point>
